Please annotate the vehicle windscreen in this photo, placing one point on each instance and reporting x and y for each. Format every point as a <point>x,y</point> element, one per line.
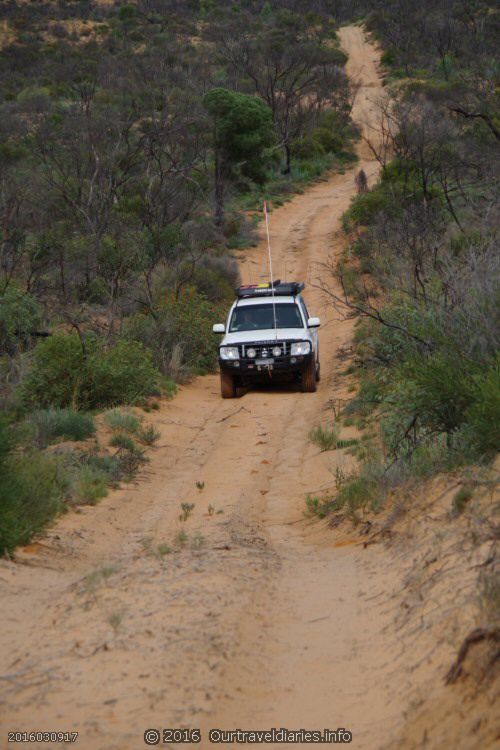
<point>260,317</point>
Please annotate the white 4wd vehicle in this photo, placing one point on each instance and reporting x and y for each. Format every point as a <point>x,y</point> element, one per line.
<point>269,335</point>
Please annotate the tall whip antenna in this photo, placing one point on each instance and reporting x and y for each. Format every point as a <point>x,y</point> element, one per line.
<point>270,267</point>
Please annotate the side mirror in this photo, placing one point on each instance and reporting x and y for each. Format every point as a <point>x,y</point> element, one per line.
<point>219,328</point>
<point>313,323</point>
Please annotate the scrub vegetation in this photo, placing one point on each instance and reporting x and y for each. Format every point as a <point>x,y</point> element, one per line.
<point>421,270</point>
<point>421,273</point>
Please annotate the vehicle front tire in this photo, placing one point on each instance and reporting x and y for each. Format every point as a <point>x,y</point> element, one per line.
<point>308,383</point>
<point>227,385</point>
<point>318,371</point>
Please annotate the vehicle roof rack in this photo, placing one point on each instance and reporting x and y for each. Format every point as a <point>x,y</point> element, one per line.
<point>281,289</point>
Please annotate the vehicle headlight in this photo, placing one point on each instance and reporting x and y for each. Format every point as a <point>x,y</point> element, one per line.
<point>276,351</point>
<point>251,352</point>
<point>229,352</point>
<point>300,347</point>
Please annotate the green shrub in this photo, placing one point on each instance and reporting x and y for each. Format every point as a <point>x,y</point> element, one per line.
<point>306,170</point>
<point>334,131</point>
<point>130,462</point>
<point>34,487</point>
<point>64,375</point>
<point>121,375</point>
<point>385,346</point>
<point>426,397</point>
<point>358,493</point>
<point>213,284</point>
<point>89,475</point>
<point>388,58</point>
<point>443,389</point>
<point>437,398</point>
<point>118,419</point>
<point>19,316</point>
<point>431,456</point>
<point>130,455</point>
<point>108,466</point>
<point>483,416</point>
<point>30,493</point>
<point>307,148</point>
<point>168,389</point>
<point>180,333</point>
<point>399,180</point>
<point>367,488</point>
<point>55,423</point>
<point>90,486</point>
<point>365,207</point>
<point>368,397</point>
<point>330,140</point>
<point>57,374</point>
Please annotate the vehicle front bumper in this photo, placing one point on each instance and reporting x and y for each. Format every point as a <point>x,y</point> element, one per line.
<point>249,369</point>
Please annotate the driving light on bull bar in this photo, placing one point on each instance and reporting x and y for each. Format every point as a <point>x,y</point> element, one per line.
<point>229,352</point>
<point>276,351</point>
<point>300,347</point>
<point>251,352</point>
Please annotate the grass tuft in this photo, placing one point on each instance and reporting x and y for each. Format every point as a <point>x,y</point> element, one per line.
<point>119,419</point>
<point>51,424</point>
<point>317,506</point>
<point>181,538</point>
<point>461,498</point>
<point>115,619</point>
<point>326,438</point>
<point>163,549</point>
<point>148,435</point>
<point>122,441</point>
<point>90,486</point>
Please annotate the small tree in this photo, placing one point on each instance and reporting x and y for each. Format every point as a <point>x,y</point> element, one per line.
<point>242,129</point>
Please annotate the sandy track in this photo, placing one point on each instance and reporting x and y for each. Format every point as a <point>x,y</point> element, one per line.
<point>259,617</point>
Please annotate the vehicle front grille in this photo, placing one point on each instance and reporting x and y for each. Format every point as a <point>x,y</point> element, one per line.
<point>264,349</point>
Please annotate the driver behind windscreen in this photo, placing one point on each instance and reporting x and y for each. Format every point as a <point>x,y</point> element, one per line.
<point>248,321</point>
